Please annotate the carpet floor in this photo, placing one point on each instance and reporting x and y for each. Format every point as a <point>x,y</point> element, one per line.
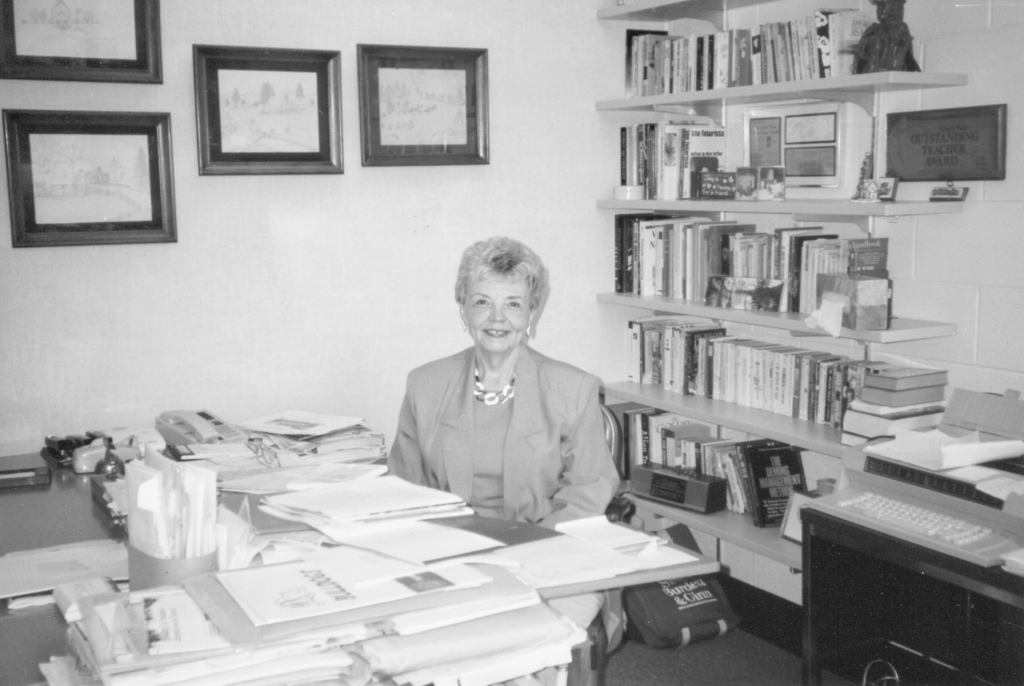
<point>736,659</point>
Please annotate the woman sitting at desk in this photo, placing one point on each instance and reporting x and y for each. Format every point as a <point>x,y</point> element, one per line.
<point>514,433</point>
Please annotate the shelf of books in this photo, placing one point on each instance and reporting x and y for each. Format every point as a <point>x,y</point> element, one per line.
<point>850,88</point>
<point>733,528</point>
<point>901,329</point>
<point>818,438</point>
<point>803,210</point>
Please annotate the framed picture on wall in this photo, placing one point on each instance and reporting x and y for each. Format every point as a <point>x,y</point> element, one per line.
<point>268,110</point>
<point>89,178</point>
<point>81,40</point>
<point>422,106</point>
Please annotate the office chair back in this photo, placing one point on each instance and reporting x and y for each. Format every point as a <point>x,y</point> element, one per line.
<point>613,436</point>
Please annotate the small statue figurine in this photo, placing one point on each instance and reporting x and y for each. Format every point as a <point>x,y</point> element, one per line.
<point>886,45</point>
<point>867,189</point>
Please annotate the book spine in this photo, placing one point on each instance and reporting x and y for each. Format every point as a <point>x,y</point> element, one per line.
<point>746,477</point>
<point>756,52</point>
<point>736,489</point>
<point>823,48</point>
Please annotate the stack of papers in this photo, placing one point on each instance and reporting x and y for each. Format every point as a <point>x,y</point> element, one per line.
<point>337,508</point>
<point>159,637</point>
<point>311,433</point>
<point>302,478</point>
<point>336,581</point>
<point>937,450</point>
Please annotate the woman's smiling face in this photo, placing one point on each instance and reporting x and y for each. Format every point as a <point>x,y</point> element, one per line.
<point>497,313</point>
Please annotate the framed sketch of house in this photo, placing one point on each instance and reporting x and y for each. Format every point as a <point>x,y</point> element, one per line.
<point>89,178</point>
<point>268,110</point>
<point>422,106</point>
<point>81,40</point>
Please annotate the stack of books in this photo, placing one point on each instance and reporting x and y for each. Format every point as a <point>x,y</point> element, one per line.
<point>896,398</point>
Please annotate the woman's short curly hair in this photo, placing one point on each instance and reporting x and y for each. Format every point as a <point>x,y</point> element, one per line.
<point>503,258</point>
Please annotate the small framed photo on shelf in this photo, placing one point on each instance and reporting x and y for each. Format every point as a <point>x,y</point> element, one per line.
<point>268,110</point>
<point>93,41</point>
<point>771,183</point>
<point>949,193</point>
<point>716,185</point>
<point>89,178</point>
<point>887,188</point>
<point>746,183</point>
<point>422,106</point>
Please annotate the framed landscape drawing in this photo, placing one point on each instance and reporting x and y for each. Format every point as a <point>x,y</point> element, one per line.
<point>89,178</point>
<point>268,110</point>
<point>422,106</point>
<point>81,40</point>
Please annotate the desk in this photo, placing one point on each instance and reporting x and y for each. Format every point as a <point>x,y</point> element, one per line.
<point>63,512</point>
<point>863,590</point>
<point>39,517</point>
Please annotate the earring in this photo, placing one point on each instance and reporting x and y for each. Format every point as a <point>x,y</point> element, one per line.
<point>529,330</point>
<point>464,327</point>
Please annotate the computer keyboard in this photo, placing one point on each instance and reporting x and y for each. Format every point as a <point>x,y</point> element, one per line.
<point>947,534</point>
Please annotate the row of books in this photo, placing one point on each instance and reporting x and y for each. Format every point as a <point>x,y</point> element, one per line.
<point>820,45</point>
<point>666,158</point>
<point>761,472</point>
<point>687,355</point>
<point>685,258</point>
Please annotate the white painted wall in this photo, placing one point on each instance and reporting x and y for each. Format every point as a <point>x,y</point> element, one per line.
<point>316,292</point>
<point>320,293</point>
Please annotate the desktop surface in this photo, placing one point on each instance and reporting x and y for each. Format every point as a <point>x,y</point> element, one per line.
<point>57,513</point>
<point>62,512</point>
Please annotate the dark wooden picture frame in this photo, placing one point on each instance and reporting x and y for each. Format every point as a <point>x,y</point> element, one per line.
<point>956,144</point>
<point>280,112</point>
<point>422,106</point>
<point>89,178</point>
<point>37,43</point>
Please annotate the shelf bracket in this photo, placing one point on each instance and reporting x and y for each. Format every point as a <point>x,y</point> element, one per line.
<point>862,99</point>
<point>862,222</point>
<point>713,113</point>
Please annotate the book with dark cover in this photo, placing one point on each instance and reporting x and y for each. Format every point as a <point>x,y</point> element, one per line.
<point>24,470</point>
<point>718,185</point>
<point>632,435</point>
<point>902,378</point>
<point>772,469</point>
<point>624,414</point>
<point>910,396</point>
<point>868,257</point>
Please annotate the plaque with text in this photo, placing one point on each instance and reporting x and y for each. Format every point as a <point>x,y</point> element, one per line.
<point>960,144</point>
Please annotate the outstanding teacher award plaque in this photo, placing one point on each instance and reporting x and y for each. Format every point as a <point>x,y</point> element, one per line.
<point>962,144</point>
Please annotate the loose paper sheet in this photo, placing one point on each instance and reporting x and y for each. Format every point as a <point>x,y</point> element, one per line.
<point>418,541</point>
<point>35,571</point>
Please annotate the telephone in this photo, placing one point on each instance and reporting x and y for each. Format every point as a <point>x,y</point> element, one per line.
<point>181,427</point>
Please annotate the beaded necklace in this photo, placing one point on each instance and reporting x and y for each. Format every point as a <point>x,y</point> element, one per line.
<point>493,397</point>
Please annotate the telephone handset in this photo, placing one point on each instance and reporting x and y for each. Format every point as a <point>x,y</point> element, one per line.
<point>181,427</point>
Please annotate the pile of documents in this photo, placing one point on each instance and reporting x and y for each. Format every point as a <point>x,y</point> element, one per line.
<point>317,435</point>
<point>413,589</point>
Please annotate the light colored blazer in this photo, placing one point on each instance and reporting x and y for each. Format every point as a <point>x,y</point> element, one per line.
<point>557,465</point>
